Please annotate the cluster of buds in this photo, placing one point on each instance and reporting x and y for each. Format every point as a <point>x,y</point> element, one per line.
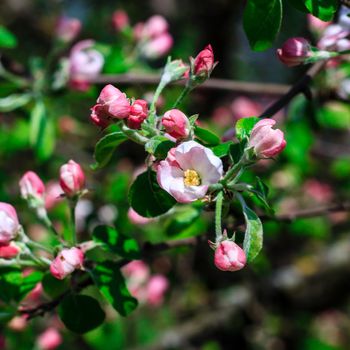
<point>67,261</point>
<point>112,104</point>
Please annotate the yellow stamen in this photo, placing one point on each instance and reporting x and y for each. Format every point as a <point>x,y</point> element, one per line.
<point>191,178</point>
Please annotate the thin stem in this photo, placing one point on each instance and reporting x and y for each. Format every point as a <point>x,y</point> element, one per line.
<point>232,171</point>
<point>134,135</point>
<point>162,84</point>
<point>30,243</point>
<point>236,178</point>
<point>42,214</point>
<point>218,216</point>
<point>183,94</point>
<point>73,234</point>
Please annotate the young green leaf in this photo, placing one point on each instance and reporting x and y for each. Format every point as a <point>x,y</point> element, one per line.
<point>105,148</point>
<point>7,39</point>
<point>116,242</point>
<point>14,101</point>
<point>262,21</point>
<point>81,313</point>
<point>244,127</point>
<point>54,287</point>
<point>322,9</point>
<point>110,281</point>
<point>223,149</point>
<point>147,198</point>
<point>206,136</point>
<point>159,146</point>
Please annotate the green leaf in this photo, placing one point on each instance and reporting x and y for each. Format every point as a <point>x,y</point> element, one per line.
<point>206,136</point>
<point>299,5</point>
<point>29,282</point>
<point>9,103</point>
<point>105,148</point>
<point>237,151</point>
<point>54,287</point>
<point>118,243</point>
<point>253,238</point>
<point>322,9</point>
<point>334,115</point>
<point>110,281</point>
<point>7,39</point>
<point>244,127</point>
<point>147,198</point>
<point>260,192</point>
<point>159,146</point>
<point>223,149</point>
<point>80,313</point>
<point>262,21</point>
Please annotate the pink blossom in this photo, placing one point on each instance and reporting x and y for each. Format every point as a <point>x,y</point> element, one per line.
<point>204,62</point>
<point>72,178</point>
<point>155,26</point>
<point>229,256</point>
<point>157,46</point>
<point>156,288</point>
<point>111,103</point>
<point>316,25</point>
<point>50,339</point>
<point>138,30</point>
<point>85,64</point>
<point>18,323</point>
<point>294,51</point>
<point>9,224</point>
<point>138,113</point>
<point>136,218</point>
<point>35,293</point>
<point>137,274</point>
<point>9,251</point>
<point>319,191</point>
<point>66,262</point>
<point>188,174</point>
<point>333,39</point>
<point>68,29</point>
<point>31,186</point>
<point>176,124</point>
<point>245,107</point>
<point>120,20</point>
<point>266,141</point>
<point>53,195</point>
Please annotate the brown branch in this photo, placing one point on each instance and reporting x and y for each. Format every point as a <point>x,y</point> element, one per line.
<point>217,84</point>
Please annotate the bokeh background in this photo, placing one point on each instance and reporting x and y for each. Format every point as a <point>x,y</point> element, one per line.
<point>296,294</point>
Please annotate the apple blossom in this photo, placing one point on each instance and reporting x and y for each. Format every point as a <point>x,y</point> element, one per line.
<point>158,46</point>
<point>72,178</point>
<point>189,171</point>
<point>204,62</point>
<point>155,289</point>
<point>245,107</point>
<point>67,29</point>
<point>9,251</point>
<point>138,113</point>
<point>31,186</point>
<point>120,20</point>
<point>84,63</point>
<point>334,38</point>
<point>50,339</point>
<point>66,262</point>
<point>155,26</point>
<point>294,51</point>
<point>229,256</point>
<point>266,141</point>
<point>176,124</point>
<point>53,195</point>
<point>9,224</point>
<point>315,24</point>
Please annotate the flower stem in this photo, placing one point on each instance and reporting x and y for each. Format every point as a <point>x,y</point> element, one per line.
<point>183,94</point>
<point>232,171</point>
<point>218,216</point>
<point>134,135</point>
<point>73,234</point>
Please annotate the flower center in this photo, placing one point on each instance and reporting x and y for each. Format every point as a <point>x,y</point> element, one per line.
<point>191,178</point>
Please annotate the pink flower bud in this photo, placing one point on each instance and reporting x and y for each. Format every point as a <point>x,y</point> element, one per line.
<point>138,113</point>
<point>204,62</point>
<point>9,224</point>
<point>111,103</point>
<point>158,46</point>
<point>50,339</point>
<point>229,256</point>
<point>72,178</point>
<point>266,141</point>
<point>155,26</point>
<point>31,186</point>
<point>156,288</point>
<point>66,262</point>
<point>294,51</point>
<point>68,29</point>
<point>100,117</point>
<point>53,195</point>
<point>9,251</point>
<point>176,124</point>
<point>120,20</point>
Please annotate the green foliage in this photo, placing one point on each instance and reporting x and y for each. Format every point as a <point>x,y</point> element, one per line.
<point>14,101</point>
<point>222,149</point>
<point>323,9</point>
<point>105,148</point>
<point>116,242</point>
<point>111,283</point>
<point>159,146</point>
<point>262,21</point>
<point>147,198</point>
<point>206,136</point>
<point>54,287</point>
<point>260,192</point>
<point>237,151</point>
<point>7,39</point>
<point>80,313</point>
<point>244,127</point>
<point>334,115</point>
